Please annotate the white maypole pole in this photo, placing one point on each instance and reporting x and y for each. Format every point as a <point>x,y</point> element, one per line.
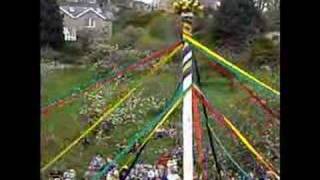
<point>186,9</point>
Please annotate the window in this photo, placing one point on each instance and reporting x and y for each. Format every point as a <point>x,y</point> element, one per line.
<point>91,23</point>
<point>66,34</point>
<point>70,34</point>
<point>73,34</point>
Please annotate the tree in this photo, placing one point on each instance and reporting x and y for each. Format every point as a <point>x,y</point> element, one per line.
<point>235,21</point>
<point>50,24</point>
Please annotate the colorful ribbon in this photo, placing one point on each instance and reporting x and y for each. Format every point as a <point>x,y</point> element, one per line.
<point>149,129</point>
<point>166,59</point>
<point>86,132</point>
<point>227,153</point>
<point>100,82</point>
<point>229,65</point>
<point>246,89</point>
<point>217,115</point>
<point>197,129</point>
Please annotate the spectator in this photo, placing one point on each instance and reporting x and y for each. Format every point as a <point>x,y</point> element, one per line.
<point>69,174</point>
<point>56,175</point>
<point>151,174</point>
<point>173,176</point>
<point>123,173</point>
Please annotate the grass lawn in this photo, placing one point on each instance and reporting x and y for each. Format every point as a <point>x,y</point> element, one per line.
<point>61,82</point>
<point>62,125</point>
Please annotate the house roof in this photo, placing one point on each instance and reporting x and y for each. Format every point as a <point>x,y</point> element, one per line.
<point>78,11</point>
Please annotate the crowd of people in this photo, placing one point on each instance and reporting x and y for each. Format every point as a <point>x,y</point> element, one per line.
<point>69,174</point>
<point>153,172</point>
<point>167,167</point>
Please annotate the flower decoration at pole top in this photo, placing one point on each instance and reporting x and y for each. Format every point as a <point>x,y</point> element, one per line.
<point>184,6</point>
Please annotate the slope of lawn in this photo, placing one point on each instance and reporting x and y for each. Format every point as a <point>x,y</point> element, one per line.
<point>61,82</point>
<point>62,125</point>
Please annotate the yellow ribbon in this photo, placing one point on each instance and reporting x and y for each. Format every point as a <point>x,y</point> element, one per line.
<point>166,59</point>
<point>249,146</point>
<point>109,111</point>
<point>224,61</point>
<point>243,139</point>
<point>157,66</point>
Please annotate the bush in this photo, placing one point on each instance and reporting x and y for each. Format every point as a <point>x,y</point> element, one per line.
<point>149,43</point>
<point>264,52</point>
<point>161,27</point>
<point>48,54</point>
<point>128,37</point>
<point>142,19</point>
<point>69,54</point>
<point>235,21</point>
<point>85,39</point>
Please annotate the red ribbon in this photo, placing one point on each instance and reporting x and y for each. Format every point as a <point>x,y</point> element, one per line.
<point>141,62</point>
<point>197,128</point>
<point>262,103</point>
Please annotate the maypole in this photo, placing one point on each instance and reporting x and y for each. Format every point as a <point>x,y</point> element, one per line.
<point>186,9</point>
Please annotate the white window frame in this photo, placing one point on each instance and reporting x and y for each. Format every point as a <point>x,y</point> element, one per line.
<point>69,34</point>
<point>73,34</point>
<point>66,34</point>
<point>91,23</point>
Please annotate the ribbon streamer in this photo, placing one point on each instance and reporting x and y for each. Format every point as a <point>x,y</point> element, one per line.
<point>227,153</point>
<point>228,64</point>
<point>246,89</point>
<point>197,129</point>
<point>86,132</point>
<point>217,115</point>
<point>100,82</point>
<point>105,114</point>
<point>163,116</point>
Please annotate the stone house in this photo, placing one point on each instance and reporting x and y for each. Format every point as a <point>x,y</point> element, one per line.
<point>85,15</point>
